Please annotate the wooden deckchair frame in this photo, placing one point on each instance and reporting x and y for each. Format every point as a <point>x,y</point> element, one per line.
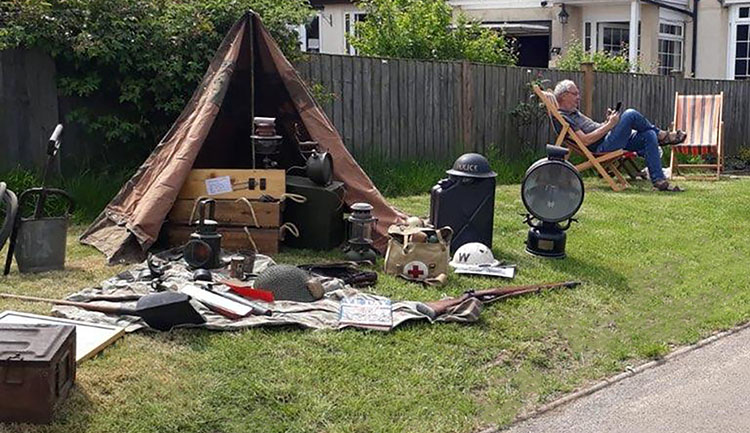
<point>717,147</point>
<point>603,163</point>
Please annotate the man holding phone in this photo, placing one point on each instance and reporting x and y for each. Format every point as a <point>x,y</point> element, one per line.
<point>628,130</point>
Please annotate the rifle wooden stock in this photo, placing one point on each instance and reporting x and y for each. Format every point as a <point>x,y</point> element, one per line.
<point>490,295</point>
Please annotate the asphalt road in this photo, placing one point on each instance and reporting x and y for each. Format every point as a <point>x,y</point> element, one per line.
<point>701,391</point>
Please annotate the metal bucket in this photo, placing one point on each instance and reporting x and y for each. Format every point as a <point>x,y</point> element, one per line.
<point>41,244</point>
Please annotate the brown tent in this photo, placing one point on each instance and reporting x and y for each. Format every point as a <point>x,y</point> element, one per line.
<point>249,74</point>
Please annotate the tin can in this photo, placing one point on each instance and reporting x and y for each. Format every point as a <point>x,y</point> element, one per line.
<point>237,267</point>
<point>249,257</point>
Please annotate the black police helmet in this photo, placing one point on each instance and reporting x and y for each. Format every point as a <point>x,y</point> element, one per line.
<point>471,165</point>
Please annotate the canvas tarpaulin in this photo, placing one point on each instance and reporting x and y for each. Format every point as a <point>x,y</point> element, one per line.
<point>321,314</point>
<point>211,129</point>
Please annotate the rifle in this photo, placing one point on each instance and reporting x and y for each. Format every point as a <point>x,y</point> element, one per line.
<point>437,308</point>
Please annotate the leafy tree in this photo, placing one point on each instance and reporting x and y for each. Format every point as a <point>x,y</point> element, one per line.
<point>425,29</point>
<point>131,65</point>
<point>603,61</point>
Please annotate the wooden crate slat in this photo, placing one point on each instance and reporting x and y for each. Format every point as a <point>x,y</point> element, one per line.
<point>195,184</point>
<point>232,213</point>
<point>232,238</point>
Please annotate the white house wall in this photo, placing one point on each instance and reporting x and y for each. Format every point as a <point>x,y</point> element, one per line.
<point>713,35</point>
<point>332,27</point>
<point>515,14</point>
<point>713,31</point>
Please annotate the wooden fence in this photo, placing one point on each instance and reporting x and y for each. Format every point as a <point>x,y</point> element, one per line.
<point>408,109</point>
<point>392,108</point>
<point>28,107</point>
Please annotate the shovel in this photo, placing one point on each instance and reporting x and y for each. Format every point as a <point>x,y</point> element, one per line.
<point>160,311</point>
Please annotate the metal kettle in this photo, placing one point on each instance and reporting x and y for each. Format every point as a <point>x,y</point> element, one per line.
<point>319,168</point>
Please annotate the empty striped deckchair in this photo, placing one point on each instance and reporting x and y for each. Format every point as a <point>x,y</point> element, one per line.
<point>700,116</point>
<point>605,164</point>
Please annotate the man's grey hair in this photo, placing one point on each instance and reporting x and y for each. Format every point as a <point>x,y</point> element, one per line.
<point>563,87</point>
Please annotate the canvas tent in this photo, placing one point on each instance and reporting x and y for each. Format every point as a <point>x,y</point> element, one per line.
<point>249,76</point>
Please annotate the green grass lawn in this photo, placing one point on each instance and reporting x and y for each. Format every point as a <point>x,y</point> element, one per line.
<point>659,270</point>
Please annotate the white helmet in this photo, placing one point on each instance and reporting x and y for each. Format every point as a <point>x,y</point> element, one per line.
<point>473,254</point>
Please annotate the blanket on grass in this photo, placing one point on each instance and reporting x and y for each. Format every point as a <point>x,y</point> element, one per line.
<point>321,314</point>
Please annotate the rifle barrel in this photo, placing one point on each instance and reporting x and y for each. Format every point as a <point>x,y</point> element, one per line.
<point>490,295</point>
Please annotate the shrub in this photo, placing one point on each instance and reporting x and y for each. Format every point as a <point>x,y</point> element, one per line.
<point>425,29</point>
<point>135,63</point>
<point>604,62</point>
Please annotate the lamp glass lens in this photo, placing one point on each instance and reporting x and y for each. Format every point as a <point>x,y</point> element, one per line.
<point>552,192</point>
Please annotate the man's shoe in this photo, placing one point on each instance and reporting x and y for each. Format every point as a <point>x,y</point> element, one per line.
<point>673,137</point>
<point>663,185</point>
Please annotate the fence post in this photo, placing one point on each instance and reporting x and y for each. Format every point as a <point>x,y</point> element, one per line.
<point>588,87</point>
<point>467,105</point>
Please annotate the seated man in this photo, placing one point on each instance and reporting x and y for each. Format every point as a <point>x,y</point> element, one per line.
<point>630,131</point>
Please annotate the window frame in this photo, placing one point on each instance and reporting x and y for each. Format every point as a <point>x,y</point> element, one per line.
<point>350,21</point>
<point>734,21</point>
<point>601,25</point>
<point>674,38</point>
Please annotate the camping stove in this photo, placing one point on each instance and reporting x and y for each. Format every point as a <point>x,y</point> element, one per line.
<point>266,144</point>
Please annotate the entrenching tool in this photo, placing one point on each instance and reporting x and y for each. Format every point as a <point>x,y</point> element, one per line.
<point>160,311</point>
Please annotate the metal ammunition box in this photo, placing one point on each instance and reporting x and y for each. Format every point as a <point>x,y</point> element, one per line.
<point>37,370</point>
<point>320,219</point>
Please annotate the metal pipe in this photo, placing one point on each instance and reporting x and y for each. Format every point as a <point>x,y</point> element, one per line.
<point>695,38</point>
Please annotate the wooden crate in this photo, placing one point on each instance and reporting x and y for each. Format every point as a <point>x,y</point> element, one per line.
<point>267,182</point>
<point>232,213</point>
<point>232,238</point>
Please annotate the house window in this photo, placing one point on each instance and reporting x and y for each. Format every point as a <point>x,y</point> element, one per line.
<point>587,37</point>
<point>613,37</point>
<point>312,35</point>
<point>670,48</point>
<point>350,27</point>
<point>739,51</point>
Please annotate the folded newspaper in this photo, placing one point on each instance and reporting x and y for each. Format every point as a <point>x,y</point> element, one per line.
<point>503,271</point>
<point>366,312</point>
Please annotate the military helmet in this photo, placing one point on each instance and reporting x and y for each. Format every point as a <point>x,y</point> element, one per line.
<point>471,165</point>
<point>289,283</point>
<point>473,254</point>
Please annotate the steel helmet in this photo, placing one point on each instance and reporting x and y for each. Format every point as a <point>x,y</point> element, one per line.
<point>473,254</point>
<point>471,165</point>
<point>289,283</point>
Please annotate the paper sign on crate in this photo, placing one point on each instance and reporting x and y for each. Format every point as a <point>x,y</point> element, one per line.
<point>242,183</point>
<point>218,185</point>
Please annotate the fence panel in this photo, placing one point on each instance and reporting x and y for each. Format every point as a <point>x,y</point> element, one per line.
<point>28,108</point>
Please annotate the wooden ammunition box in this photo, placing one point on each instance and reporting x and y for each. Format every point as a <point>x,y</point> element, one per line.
<point>232,238</point>
<point>248,183</point>
<point>37,370</point>
<point>232,213</point>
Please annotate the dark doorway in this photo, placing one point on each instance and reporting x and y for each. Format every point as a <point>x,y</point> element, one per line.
<point>533,51</point>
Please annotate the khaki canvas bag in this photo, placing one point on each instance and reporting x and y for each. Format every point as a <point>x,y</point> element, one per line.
<point>418,253</point>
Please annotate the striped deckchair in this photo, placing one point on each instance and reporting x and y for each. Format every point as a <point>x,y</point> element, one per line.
<point>700,116</point>
<point>605,164</point>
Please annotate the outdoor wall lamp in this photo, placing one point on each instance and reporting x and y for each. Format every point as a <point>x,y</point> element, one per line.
<point>320,9</point>
<point>552,191</point>
<point>563,15</point>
